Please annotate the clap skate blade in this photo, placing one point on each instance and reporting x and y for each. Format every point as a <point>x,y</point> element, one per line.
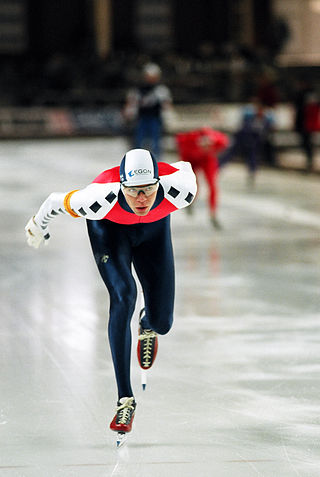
<point>143,379</point>
<point>121,438</point>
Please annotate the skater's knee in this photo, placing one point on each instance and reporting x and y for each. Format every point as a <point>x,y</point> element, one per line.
<point>163,325</point>
<point>163,330</point>
<point>122,303</point>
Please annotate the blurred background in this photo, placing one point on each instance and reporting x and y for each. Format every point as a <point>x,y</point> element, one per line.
<point>66,65</point>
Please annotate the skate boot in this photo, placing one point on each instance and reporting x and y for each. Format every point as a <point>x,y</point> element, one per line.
<point>122,421</point>
<point>147,345</point>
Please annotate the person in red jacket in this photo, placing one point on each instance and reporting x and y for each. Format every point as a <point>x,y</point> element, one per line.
<point>128,219</point>
<point>200,147</point>
<point>306,118</point>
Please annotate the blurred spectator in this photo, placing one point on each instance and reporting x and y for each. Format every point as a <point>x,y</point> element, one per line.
<point>269,96</point>
<point>200,148</point>
<point>306,119</point>
<point>267,89</point>
<point>257,123</point>
<point>146,105</point>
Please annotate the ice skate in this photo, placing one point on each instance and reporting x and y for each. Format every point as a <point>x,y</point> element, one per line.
<point>122,421</point>
<point>147,345</point>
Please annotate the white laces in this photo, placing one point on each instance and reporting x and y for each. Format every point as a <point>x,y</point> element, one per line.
<point>125,409</point>
<point>147,336</point>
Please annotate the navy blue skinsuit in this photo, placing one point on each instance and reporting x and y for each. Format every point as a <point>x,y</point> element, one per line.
<point>120,239</point>
<point>148,247</point>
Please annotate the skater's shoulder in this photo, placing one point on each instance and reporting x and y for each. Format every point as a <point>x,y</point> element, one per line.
<point>175,171</point>
<point>109,175</point>
<point>180,185</point>
<point>181,167</point>
<point>166,169</point>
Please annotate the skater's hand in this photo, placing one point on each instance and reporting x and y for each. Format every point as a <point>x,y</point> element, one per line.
<point>35,235</point>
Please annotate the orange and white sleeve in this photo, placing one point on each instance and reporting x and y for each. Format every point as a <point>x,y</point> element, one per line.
<point>93,203</point>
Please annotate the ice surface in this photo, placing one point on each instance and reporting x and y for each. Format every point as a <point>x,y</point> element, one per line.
<point>235,388</point>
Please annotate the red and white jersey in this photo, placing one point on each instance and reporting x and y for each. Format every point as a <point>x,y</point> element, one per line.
<point>103,199</point>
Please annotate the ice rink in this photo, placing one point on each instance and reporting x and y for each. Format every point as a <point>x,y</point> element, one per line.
<point>235,390</point>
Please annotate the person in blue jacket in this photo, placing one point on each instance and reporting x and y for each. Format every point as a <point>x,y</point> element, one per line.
<point>257,123</point>
<point>147,104</point>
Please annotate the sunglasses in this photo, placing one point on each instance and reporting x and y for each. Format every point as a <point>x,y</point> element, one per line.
<point>135,191</point>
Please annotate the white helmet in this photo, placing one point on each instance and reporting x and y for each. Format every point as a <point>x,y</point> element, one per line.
<point>138,167</point>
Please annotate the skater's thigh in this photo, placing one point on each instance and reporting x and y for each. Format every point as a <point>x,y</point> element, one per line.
<point>113,255</point>
<point>154,264</point>
<point>153,258</point>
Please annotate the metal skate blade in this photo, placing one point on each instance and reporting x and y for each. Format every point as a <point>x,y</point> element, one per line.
<point>143,379</point>
<point>121,438</point>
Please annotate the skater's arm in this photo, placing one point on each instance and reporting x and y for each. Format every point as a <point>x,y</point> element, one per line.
<point>93,203</point>
<point>37,231</point>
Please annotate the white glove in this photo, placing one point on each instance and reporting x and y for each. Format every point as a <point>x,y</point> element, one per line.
<point>35,235</point>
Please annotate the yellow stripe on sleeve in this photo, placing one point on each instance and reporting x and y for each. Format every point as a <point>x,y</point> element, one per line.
<point>66,203</point>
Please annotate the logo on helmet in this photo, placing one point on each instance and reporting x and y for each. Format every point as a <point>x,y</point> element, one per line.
<point>139,171</point>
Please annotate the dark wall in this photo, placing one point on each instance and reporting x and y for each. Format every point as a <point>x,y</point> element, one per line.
<point>262,19</point>
<point>67,25</point>
<point>122,20</point>
<point>200,21</point>
<point>58,26</point>
<point>195,22</point>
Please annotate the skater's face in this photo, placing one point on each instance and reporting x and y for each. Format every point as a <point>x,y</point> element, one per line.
<point>141,198</point>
